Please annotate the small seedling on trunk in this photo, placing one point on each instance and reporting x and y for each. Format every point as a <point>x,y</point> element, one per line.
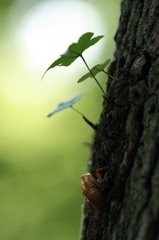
<point>69,103</point>
<point>76,50</point>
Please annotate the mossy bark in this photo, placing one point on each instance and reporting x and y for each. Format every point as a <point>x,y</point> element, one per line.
<point>127,137</point>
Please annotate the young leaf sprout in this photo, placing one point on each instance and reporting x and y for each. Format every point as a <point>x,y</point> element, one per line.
<point>69,103</point>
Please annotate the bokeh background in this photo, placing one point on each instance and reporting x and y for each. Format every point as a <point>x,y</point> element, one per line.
<point>42,159</point>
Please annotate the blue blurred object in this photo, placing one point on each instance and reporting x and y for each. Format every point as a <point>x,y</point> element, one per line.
<point>64,105</point>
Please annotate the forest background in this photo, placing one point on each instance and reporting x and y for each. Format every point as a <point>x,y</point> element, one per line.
<point>42,159</point>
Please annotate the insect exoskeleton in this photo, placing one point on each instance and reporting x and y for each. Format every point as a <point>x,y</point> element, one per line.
<point>91,190</point>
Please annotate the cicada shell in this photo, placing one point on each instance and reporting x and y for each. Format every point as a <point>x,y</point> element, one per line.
<point>91,190</point>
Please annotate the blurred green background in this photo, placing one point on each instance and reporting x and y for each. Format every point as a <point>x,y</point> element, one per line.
<point>42,158</point>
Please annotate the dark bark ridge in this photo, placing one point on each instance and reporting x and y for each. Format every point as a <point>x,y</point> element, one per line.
<point>127,137</point>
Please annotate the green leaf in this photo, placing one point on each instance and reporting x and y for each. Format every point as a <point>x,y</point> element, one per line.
<point>64,105</point>
<point>96,69</point>
<point>75,50</point>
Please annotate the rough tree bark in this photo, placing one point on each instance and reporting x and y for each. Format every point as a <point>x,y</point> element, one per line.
<point>127,137</point>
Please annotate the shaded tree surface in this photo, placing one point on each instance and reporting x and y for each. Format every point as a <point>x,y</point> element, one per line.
<point>127,138</point>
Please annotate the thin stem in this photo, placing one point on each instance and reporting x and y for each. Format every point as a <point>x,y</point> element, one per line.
<point>93,75</point>
<point>110,75</point>
<point>77,111</point>
<point>86,119</point>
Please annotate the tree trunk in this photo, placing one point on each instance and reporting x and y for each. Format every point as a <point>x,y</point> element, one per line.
<point>127,137</point>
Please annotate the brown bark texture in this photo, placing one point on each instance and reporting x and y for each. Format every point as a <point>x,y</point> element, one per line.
<point>126,141</point>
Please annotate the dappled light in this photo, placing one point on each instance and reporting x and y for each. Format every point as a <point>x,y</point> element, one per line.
<point>43,158</point>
